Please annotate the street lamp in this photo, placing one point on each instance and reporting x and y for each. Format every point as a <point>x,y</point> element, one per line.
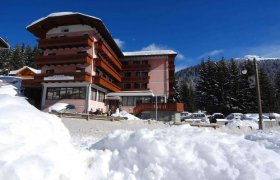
<point>244,71</point>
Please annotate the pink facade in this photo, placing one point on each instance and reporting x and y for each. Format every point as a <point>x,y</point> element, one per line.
<point>158,73</point>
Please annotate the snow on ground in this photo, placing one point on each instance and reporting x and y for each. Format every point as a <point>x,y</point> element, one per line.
<point>87,132</point>
<point>36,145</point>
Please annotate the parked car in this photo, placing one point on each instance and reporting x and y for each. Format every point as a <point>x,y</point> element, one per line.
<point>197,117</point>
<point>213,118</point>
<point>254,117</point>
<point>184,115</point>
<point>62,108</point>
<point>234,116</point>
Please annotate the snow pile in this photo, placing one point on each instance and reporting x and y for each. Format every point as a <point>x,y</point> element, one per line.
<point>35,145</point>
<point>8,89</point>
<point>126,115</point>
<point>271,140</point>
<point>58,107</point>
<point>180,153</point>
<point>242,123</point>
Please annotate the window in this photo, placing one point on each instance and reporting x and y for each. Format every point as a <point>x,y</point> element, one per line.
<point>144,74</point>
<point>101,96</point>
<point>136,62</point>
<point>137,85</point>
<point>127,86</point>
<point>127,74</point>
<point>51,54</point>
<point>80,69</point>
<point>64,29</point>
<point>82,52</point>
<point>145,62</point>
<point>130,101</point>
<point>93,94</point>
<point>138,74</point>
<point>49,71</point>
<point>66,93</point>
<point>125,62</point>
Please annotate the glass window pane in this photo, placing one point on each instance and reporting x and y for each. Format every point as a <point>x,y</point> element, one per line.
<point>56,93</point>
<point>63,93</point>
<point>82,93</point>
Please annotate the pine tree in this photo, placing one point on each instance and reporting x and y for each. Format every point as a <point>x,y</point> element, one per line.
<point>16,59</point>
<point>267,92</point>
<point>4,61</point>
<point>188,96</point>
<point>277,91</point>
<point>234,79</point>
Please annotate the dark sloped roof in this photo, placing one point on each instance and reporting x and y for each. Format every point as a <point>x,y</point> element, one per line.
<point>3,43</point>
<point>40,27</point>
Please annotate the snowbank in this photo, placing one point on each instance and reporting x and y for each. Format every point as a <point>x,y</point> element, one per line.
<point>180,153</point>
<point>35,145</point>
<point>242,123</point>
<point>126,115</point>
<point>8,89</point>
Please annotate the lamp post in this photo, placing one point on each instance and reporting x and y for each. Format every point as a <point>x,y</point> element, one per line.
<point>244,71</point>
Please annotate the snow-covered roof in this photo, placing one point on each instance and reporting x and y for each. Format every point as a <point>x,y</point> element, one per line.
<point>41,26</point>
<point>4,43</point>
<point>131,93</point>
<point>14,72</point>
<point>150,53</point>
<point>57,14</point>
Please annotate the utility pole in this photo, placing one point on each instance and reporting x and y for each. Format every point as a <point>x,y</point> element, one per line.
<point>258,94</point>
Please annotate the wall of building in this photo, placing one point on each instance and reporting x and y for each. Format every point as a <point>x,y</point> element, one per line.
<point>72,29</point>
<point>158,73</point>
<point>94,105</point>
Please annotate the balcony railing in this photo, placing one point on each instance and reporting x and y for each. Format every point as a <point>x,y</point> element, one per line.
<point>109,69</point>
<point>102,81</point>
<point>84,58</point>
<point>171,67</point>
<point>63,77</point>
<point>135,79</point>
<point>176,107</point>
<point>128,67</point>
<point>105,51</point>
<point>66,42</point>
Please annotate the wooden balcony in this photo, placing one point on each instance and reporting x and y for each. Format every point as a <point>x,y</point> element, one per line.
<point>176,107</point>
<point>65,42</point>
<point>100,47</point>
<point>64,77</point>
<point>101,63</point>
<point>172,79</point>
<point>102,81</point>
<point>130,67</point>
<point>135,79</point>
<point>31,83</point>
<point>83,58</point>
<point>135,89</point>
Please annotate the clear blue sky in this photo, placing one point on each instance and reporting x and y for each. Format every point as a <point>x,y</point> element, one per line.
<point>193,28</point>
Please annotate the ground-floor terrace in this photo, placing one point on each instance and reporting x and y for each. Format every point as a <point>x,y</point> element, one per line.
<point>87,98</point>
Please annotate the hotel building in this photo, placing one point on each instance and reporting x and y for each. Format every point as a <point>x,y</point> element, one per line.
<point>82,65</point>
